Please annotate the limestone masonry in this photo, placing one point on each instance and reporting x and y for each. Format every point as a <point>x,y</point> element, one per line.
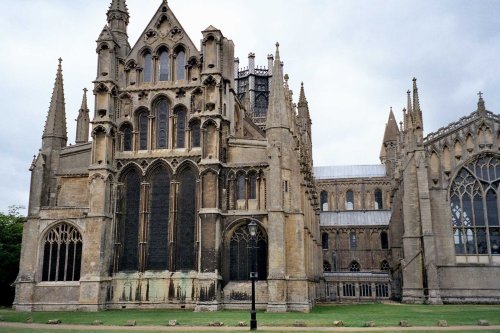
<point>188,148</point>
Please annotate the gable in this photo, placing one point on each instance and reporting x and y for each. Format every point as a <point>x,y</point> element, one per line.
<point>164,30</point>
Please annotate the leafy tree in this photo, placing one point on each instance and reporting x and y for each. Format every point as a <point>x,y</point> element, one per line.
<point>11,231</point>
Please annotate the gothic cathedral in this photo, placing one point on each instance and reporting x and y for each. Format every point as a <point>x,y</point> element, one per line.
<point>187,150</point>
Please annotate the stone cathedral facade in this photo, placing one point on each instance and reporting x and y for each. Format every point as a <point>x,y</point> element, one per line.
<point>153,211</point>
<point>187,149</point>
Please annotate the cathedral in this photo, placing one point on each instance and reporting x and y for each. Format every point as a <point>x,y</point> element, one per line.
<point>187,150</point>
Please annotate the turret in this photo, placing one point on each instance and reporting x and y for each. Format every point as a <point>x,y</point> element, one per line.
<point>277,115</point>
<point>83,121</point>
<point>388,151</point>
<point>118,19</point>
<point>481,108</point>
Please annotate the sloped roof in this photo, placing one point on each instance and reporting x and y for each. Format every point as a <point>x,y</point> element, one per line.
<point>355,218</point>
<point>349,171</point>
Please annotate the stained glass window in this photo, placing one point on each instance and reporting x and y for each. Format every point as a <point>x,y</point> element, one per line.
<point>378,199</point>
<point>474,207</point>
<point>130,227</point>
<point>148,68</point>
<point>143,131</point>
<point>180,65</point>
<point>186,222</point>
<point>164,65</point>
<point>181,127</point>
<point>195,134</point>
<point>162,110</point>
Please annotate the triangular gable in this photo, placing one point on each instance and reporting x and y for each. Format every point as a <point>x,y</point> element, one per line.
<point>163,29</point>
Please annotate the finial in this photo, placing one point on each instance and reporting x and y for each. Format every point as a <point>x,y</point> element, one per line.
<point>286,77</point>
<point>60,61</point>
<point>85,91</point>
<point>277,45</point>
<point>481,108</point>
<point>302,84</point>
<point>480,94</point>
<point>414,79</point>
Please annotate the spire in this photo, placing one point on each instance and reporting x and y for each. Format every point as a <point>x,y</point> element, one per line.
<point>55,133</point>
<point>481,108</point>
<point>391,128</point>
<point>417,113</point>
<point>408,112</point>
<point>83,121</point>
<point>118,5</point>
<point>277,115</point>
<point>302,96</point>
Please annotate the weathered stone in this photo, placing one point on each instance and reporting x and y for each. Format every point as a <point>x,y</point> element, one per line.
<point>299,323</point>
<point>97,322</point>
<point>483,322</point>
<point>131,323</point>
<point>216,323</point>
<point>338,323</point>
<point>173,322</point>
<point>370,324</point>
<point>242,323</point>
<point>442,323</point>
<point>404,323</point>
<point>53,321</point>
<point>29,320</point>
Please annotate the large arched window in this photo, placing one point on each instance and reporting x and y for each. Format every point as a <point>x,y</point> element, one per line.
<point>349,200</point>
<point>474,207</point>
<point>143,130</point>
<point>324,241</point>
<point>129,229</point>
<point>195,133</point>
<point>180,127</point>
<point>180,65</point>
<point>147,73</point>
<point>164,65</point>
<point>186,221</point>
<point>240,254</point>
<point>62,254</point>
<point>378,204</point>
<point>159,220</point>
<point>324,200</point>
<point>126,137</point>
<point>162,111</point>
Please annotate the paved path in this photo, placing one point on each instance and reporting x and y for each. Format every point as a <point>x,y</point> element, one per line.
<point>231,328</point>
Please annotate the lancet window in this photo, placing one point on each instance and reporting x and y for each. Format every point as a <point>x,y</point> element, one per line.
<point>180,65</point>
<point>378,199</point>
<point>62,254</point>
<point>162,112</point>
<point>384,240</point>
<point>324,200</point>
<point>474,207</point>
<point>181,127</point>
<point>195,134</point>
<point>126,137</point>
<point>164,65</point>
<point>147,72</point>
<point>241,251</point>
<point>349,200</point>
<point>324,241</point>
<point>143,130</point>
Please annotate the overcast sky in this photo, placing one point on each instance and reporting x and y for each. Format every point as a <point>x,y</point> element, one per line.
<point>355,57</point>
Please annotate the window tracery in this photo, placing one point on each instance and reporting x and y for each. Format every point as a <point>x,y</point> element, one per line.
<point>354,266</point>
<point>62,254</point>
<point>162,112</point>
<point>240,250</point>
<point>164,65</point>
<point>474,207</point>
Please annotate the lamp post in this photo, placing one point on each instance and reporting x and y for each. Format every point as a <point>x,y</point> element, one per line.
<point>252,228</point>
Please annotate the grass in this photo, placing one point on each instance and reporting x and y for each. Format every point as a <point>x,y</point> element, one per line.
<point>354,315</point>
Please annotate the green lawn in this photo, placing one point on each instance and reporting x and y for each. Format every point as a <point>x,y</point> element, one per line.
<point>352,315</point>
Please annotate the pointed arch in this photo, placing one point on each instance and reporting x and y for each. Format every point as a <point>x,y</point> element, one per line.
<point>126,135</point>
<point>161,110</point>
<point>147,65</point>
<point>180,62</point>
<point>194,126</point>
<point>349,200</point>
<point>324,200</point>
<point>378,199</point>
<point>163,64</point>
<point>186,221</point>
<point>159,176</point>
<point>62,252</point>
<point>180,112</point>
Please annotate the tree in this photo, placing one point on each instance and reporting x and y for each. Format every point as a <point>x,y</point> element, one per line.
<point>11,231</point>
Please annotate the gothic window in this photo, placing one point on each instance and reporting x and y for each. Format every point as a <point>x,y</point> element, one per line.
<point>159,220</point>
<point>148,67</point>
<point>62,255</point>
<point>353,241</point>
<point>384,266</point>
<point>240,254</point>
<point>241,187</point>
<point>252,186</point>
<point>164,65</point>
<point>143,130</point>
<point>162,111</point>
<point>324,241</point>
<point>181,127</point>
<point>195,134</point>
<point>326,266</point>
<point>186,221</point>
<point>354,266</point>
<point>130,227</point>
<point>127,137</point>
<point>180,65</point>
<point>349,200</point>
<point>378,199</point>
<point>474,207</point>
<point>260,106</point>
<point>324,200</point>
<point>384,240</point>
